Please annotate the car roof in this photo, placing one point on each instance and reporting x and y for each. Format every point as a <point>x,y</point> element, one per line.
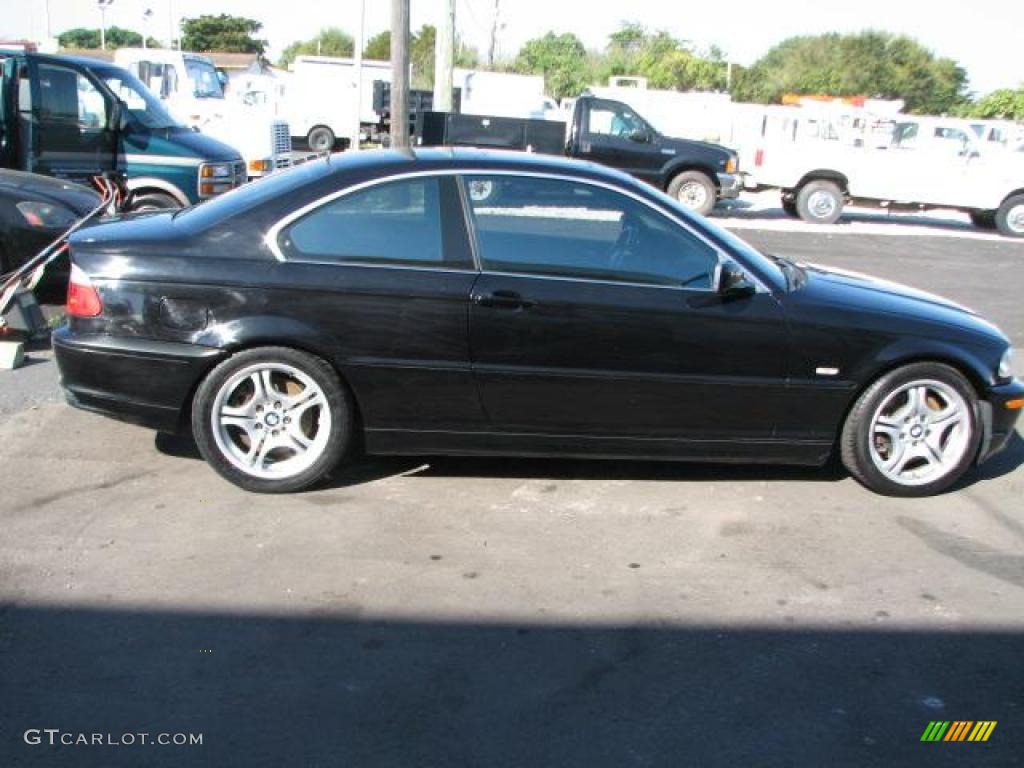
<point>47,58</point>
<point>454,158</point>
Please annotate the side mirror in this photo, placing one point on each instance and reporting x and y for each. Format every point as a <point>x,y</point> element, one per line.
<point>639,136</point>
<point>118,119</point>
<point>732,282</point>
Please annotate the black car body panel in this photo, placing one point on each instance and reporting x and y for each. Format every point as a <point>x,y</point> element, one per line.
<point>580,367</point>
<point>20,239</point>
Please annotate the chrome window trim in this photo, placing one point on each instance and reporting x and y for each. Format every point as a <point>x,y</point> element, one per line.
<point>273,234</point>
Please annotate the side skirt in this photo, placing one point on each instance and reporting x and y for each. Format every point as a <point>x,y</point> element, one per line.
<point>400,441</point>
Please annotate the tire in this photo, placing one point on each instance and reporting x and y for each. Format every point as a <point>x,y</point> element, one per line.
<point>899,444</point>
<point>983,219</point>
<point>789,207</point>
<point>154,201</point>
<point>278,462</point>
<point>321,139</point>
<point>819,202</point>
<point>694,190</point>
<point>1010,216</point>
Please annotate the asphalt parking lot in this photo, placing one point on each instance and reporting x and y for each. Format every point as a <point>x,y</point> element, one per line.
<point>514,612</point>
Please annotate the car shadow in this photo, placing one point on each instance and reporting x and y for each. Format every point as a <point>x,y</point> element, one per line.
<point>367,469</point>
<point>327,687</point>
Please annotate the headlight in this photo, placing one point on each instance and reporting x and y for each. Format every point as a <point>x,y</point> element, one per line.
<point>732,165</point>
<point>216,171</point>
<point>46,215</point>
<point>1005,370</point>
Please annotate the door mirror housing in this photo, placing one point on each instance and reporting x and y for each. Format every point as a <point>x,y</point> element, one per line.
<point>118,121</point>
<point>639,136</point>
<point>732,282</point>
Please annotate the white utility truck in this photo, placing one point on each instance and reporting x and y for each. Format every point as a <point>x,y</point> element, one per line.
<point>926,162</point>
<point>192,89</point>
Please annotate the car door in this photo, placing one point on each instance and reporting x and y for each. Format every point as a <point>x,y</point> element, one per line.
<point>70,119</point>
<point>595,315</point>
<point>616,136</point>
<point>382,273</point>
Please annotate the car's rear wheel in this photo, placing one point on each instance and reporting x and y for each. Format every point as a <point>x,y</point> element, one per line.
<point>1010,216</point>
<point>694,190</point>
<point>273,419</point>
<point>914,432</point>
<point>321,139</point>
<point>820,202</point>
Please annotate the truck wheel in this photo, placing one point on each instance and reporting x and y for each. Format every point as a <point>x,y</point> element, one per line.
<point>983,219</point>
<point>154,201</point>
<point>694,190</point>
<point>321,139</point>
<point>819,202</point>
<point>1010,216</point>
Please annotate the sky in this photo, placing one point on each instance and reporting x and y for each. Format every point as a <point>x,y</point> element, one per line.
<point>985,38</point>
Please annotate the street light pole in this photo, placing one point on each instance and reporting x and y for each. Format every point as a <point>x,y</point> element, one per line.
<point>400,73</point>
<point>103,5</point>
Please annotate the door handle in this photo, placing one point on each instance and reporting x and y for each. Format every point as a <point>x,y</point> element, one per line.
<point>502,300</point>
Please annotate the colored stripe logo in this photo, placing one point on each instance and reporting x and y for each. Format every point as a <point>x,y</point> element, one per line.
<point>958,730</point>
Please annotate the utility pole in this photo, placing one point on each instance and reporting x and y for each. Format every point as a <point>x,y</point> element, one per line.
<point>494,36</point>
<point>357,113</point>
<point>400,73</point>
<point>444,59</point>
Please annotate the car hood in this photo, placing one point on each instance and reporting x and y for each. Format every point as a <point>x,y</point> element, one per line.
<point>31,186</point>
<point>691,147</point>
<point>872,294</point>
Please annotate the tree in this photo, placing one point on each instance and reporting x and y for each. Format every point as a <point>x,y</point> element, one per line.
<point>561,59</point>
<point>223,33</point>
<point>379,46</point>
<point>117,37</point>
<point>1002,104</point>
<point>664,60</point>
<point>331,41</point>
<point>875,64</point>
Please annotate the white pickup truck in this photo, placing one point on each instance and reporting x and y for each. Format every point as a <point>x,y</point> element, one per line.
<point>927,163</point>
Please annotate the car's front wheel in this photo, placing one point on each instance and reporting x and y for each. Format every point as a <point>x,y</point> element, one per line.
<point>695,190</point>
<point>273,419</point>
<point>913,432</point>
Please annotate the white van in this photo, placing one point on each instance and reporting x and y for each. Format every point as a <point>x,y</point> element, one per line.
<point>193,91</point>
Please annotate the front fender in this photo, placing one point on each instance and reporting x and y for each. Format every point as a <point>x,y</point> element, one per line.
<point>972,361</point>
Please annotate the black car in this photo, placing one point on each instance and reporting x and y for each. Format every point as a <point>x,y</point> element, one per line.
<point>34,211</point>
<point>368,300</point>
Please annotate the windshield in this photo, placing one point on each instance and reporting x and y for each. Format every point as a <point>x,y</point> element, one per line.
<point>203,77</point>
<point>144,109</point>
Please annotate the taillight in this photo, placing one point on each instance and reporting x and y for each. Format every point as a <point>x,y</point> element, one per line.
<point>83,300</point>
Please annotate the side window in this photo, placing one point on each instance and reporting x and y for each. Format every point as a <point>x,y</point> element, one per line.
<point>69,98</point>
<point>396,222</point>
<point>570,229</point>
<point>613,120</point>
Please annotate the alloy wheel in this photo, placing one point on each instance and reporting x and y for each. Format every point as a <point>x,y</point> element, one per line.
<point>271,420</point>
<point>920,432</point>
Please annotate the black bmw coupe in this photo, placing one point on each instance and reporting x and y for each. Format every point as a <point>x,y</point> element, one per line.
<point>466,302</point>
